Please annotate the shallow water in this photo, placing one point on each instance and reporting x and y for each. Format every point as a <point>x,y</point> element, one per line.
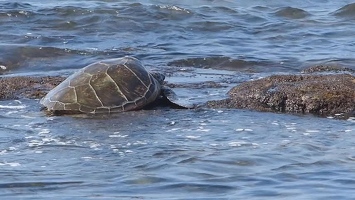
<point>176,154</point>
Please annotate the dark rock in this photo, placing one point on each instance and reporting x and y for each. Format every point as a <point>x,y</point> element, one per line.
<point>327,68</point>
<point>325,95</point>
<point>27,87</point>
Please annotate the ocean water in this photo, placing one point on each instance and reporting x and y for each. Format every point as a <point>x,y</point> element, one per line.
<point>166,153</point>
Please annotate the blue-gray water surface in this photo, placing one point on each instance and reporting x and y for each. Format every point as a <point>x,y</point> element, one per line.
<point>176,154</point>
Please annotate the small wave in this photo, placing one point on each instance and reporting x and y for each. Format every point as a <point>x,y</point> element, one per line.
<point>166,12</point>
<point>11,164</point>
<point>16,57</point>
<point>218,62</point>
<point>12,107</point>
<point>292,13</point>
<point>70,11</point>
<point>242,144</point>
<point>37,184</point>
<point>194,187</point>
<point>14,5</point>
<point>16,13</point>
<point>16,10</point>
<point>210,26</point>
<point>215,10</point>
<point>347,11</point>
<point>174,8</point>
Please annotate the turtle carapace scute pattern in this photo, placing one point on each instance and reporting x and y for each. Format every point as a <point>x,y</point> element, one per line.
<point>107,86</point>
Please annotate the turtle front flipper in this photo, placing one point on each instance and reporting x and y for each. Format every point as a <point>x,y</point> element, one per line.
<point>174,100</point>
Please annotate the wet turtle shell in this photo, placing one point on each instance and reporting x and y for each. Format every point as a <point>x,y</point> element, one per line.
<point>108,86</point>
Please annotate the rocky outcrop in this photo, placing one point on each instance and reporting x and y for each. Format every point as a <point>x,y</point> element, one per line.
<point>325,95</point>
<point>27,87</point>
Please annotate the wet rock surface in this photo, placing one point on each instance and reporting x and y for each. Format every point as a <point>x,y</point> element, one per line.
<point>27,87</point>
<point>327,68</point>
<point>324,95</point>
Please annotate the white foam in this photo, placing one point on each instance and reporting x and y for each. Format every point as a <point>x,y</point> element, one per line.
<point>202,129</point>
<point>139,143</point>
<point>237,143</point>
<point>44,131</point>
<point>176,8</point>
<point>173,129</point>
<point>86,157</point>
<point>312,131</point>
<point>114,136</point>
<point>3,67</point>
<point>193,136</point>
<point>34,143</point>
<point>28,117</point>
<point>254,144</point>
<point>12,148</point>
<point>285,142</point>
<point>95,146</point>
<point>3,152</point>
<point>13,107</point>
<point>117,135</point>
<point>11,164</point>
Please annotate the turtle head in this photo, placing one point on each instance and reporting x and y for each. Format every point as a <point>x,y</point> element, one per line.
<point>158,76</point>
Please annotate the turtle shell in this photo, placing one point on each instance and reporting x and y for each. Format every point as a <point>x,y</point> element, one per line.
<point>107,86</point>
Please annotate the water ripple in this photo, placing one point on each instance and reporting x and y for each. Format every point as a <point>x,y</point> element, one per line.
<point>292,13</point>
<point>165,153</point>
<point>347,11</point>
<point>37,184</point>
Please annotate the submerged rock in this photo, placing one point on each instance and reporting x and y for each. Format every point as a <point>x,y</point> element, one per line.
<point>326,68</point>
<point>325,95</point>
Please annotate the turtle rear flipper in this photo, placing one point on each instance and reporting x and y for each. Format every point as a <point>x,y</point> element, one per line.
<point>174,100</point>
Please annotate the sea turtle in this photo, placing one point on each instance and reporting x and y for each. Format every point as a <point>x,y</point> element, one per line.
<point>108,86</point>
